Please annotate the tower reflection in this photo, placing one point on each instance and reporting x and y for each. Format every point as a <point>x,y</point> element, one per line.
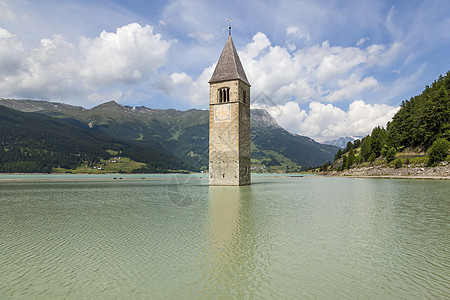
<point>224,205</point>
<point>235,268</point>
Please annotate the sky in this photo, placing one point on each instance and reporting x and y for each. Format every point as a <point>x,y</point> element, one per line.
<point>323,69</point>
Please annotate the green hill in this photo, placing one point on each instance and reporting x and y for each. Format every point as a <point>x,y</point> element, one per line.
<point>422,123</point>
<point>423,118</point>
<point>31,142</point>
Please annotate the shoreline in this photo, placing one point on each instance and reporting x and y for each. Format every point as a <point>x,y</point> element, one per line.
<point>380,172</point>
<point>441,172</point>
<point>86,176</point>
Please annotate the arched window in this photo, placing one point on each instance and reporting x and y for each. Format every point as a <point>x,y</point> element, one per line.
<point>224,95</point>
<point>244,96</point>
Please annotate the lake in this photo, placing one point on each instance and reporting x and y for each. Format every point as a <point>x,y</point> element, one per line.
<point>175,237</point>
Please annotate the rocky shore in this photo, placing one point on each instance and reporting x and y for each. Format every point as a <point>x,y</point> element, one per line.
<point>412,171</point>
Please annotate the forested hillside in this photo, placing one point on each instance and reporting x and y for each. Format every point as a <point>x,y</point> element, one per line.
<point>421,126</point>
<point>31,142</point>
<point>422,119</point>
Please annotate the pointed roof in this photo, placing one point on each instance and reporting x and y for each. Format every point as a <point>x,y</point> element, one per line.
<point>229,66</point>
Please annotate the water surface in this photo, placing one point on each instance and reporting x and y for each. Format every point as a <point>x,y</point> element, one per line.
<point>173,236</point>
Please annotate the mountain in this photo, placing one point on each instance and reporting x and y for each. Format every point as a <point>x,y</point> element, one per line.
<point>184,134</point>
<point>37,105</point>
<point>31,142</point>
<point>267,136</point>
<point>342,141</point>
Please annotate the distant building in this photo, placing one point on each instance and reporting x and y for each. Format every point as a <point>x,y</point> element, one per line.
<point>229,121</point>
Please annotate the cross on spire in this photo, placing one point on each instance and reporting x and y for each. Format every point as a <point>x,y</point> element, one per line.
<point>229,26</point>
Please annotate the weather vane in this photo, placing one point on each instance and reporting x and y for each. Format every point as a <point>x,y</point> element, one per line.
<point>229,26</point>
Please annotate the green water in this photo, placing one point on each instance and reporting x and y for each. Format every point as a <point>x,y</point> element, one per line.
<point>174,237</point>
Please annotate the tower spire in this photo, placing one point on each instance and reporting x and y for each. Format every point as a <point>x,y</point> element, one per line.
<point>229,26</point>
<point>229,66</point>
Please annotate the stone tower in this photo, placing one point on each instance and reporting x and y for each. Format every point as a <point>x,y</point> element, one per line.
<point>229,121</point>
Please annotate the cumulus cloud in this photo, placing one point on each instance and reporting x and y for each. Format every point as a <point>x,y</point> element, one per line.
<point>293,35</point>
<point>288,116</point>
<point>326,121</point>
<point>11,53</point>
<point>318,72</point>
<point>183,87</point>
<point>129,54</point>
<point>60,69</point>
<point>352,87</point>
<point>314,72</point>
<point>296,32</point>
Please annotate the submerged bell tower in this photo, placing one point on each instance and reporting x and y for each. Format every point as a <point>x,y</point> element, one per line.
<point>229,120</point>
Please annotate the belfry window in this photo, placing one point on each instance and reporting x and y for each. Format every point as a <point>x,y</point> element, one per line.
<point>224,95</point>
<point>244,96</point>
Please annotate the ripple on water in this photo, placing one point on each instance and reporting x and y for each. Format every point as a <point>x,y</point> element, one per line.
<point>283,237</point>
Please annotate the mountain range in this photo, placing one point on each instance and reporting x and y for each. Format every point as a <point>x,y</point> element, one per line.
<point>342,141</point>
<point>162,138</point>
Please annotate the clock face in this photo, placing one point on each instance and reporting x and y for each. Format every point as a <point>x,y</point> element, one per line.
<point>222,113</point>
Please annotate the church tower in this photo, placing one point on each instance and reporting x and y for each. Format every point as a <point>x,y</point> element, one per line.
<point>229,121</point>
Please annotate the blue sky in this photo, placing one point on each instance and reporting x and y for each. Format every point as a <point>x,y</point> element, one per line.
<point>323,69</point>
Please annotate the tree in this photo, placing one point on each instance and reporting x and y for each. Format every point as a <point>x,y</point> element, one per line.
<point>423,118</point>
<point>348,147</point>
<point>338,155</point>
<point>378,140</point>
<point>390,154</point>
<point>350,159</point>
<point>344,162</point>
<point>437,115</point>
<point>384,150</point>
<point>325,166</point>
<point>366,150</point>
<point>438,151</point>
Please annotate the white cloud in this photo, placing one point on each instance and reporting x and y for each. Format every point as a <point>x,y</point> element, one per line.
<point>253,49</point>
<point>352,87</point>
<point>361,41</point>
<point>60,69</point>
<point>316,72</point>
<point>179,81</point>
<point>289,115</point>
<point>337,61</point>
<point>127,55</point>
<point>296,32</point>
<point>96,98</point>
<point>328,122</point>
<point>11,54</point>
<point>182,87</point>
